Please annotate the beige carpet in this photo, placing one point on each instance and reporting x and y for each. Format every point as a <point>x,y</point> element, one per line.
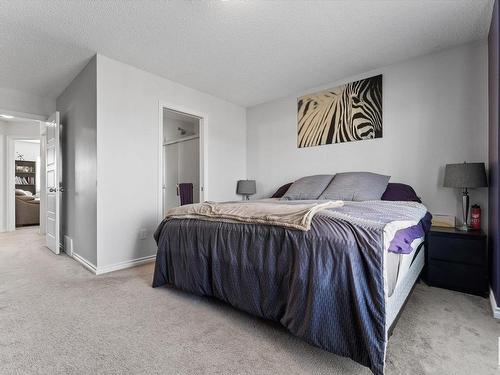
<point>57,318</point>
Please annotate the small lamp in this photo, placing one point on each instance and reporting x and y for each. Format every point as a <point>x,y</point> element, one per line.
<point>464,176</point>
<point>245,188</point>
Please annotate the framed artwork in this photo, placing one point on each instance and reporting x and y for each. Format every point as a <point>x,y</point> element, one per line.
<point>350,112</point>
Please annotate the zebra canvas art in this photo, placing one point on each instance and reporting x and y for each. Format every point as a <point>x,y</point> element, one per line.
<point>349,112</point>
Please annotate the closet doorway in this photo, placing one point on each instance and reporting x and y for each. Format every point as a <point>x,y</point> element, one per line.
<point>182,159</point>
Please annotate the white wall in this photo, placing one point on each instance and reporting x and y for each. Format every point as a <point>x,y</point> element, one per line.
<point>23,129</point>
<point>28,129</point>
<point>29,150</point>
<point>24,103</point>
<point>434,112</point>
<point>78,111</point>
<point>171,125</point>
<point>128,154</point>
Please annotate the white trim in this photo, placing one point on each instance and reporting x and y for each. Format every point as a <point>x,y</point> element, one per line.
<point>203,144</point>
<point>10,203</point>
<point>112,267</point>
<point>125,264</point>
<point>494,306</point>
<point>43,177</point>
<point>84,262</point>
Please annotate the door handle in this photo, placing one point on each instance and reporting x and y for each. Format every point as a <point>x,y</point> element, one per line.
<point>61,189</point>
<point>52,190</point>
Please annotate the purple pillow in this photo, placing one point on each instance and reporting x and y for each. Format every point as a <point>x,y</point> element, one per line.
<point>282,190</point>
<point>400,192</point>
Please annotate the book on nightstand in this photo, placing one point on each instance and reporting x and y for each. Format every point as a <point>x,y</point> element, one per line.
<point>444,221</point>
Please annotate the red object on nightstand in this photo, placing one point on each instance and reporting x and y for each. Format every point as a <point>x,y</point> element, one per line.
<point>475,217</point>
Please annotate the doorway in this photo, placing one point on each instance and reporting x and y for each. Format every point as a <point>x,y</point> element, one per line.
<point>27,182</point>
<point>21,198</point>
<point>37,180</point>
<point>182,159</point>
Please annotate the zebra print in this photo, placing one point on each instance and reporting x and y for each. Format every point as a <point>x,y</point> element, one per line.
<point>350,112</point>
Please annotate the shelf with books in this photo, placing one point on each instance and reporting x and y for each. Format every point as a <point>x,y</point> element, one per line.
<point>25,175</point>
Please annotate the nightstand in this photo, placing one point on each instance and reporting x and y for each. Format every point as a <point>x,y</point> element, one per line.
<point>457,260</point>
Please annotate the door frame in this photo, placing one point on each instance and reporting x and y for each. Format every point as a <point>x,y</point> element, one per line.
<point>203,154</point>
<point>11,181</point>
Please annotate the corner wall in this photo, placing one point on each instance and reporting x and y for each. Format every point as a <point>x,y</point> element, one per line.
<point>78,110</point>
<point>128,155</point>
<point>434,112</point>
<point>494,151</point>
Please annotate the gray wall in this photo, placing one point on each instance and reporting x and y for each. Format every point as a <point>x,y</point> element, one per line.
<point>78,108</point>
<point>21,102</point>
<point>434,112</point>
<point>129,154</point>
<point>494,152</point>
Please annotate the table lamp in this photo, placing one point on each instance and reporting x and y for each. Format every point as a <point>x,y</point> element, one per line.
<point>465,176</point>
<point>245,188</point>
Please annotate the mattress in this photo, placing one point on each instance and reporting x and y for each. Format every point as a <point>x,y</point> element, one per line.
<point>397,266</point>
<point>409,268</point>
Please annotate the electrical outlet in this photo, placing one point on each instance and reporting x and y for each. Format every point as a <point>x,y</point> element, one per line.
<point>143,233</point>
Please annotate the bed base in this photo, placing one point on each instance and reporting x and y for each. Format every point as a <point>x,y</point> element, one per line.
<point>397,302</point>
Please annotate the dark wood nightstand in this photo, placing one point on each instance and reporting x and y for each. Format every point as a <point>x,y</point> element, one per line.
<point>457,260</point>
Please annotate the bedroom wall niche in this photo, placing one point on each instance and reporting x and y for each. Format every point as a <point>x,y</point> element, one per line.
<point>435,111</point>
<point>181,159</point>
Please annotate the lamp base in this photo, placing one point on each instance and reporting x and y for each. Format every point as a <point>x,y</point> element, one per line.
<point>465,211</point>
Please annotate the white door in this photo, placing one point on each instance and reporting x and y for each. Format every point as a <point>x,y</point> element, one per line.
<point>53,174</point>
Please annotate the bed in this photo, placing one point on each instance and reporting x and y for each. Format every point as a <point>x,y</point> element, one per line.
<point>339,285</point>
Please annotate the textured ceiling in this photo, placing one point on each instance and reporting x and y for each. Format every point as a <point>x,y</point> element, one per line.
<point>247,52</point>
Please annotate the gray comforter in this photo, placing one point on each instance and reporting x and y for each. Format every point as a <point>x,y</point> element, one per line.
<point>325,285</point>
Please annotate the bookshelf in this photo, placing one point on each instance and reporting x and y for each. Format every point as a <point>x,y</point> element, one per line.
<point>26,175</point>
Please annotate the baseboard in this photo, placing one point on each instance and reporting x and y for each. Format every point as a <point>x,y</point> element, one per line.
<point>126,264</point>
<point>494,306</point>
<point>112,267</point>
<point>84,262</point>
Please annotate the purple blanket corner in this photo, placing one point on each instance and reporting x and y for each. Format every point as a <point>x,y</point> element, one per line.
<point>401,243</point>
